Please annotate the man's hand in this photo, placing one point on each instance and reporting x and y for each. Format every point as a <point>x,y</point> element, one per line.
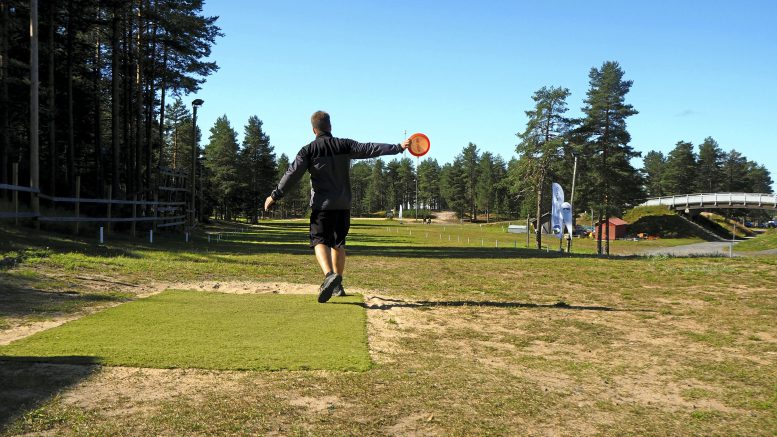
<point>405,144</point>
<point>268,203</point>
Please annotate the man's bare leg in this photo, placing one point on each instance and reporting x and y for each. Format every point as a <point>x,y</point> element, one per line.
<point>338,259</point>
<point>324,258</point>
<point>331,279</point>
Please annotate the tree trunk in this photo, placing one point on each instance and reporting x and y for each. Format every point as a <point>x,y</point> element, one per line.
<point>538,228</point>
<point>71,173</point>
<point>52,107</point>
<point>607,223</point>
<point>128,119</point>
<point>4,122</point>
<point>150,98</point>
<point>115,103</point>
<point>175,147</point>
<point>97,108</point>
<point>34,109</point>
<point>599,234</point>
<point>139,120</point>
<point>162,93</point>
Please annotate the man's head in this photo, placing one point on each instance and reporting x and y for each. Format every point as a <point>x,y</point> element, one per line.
<point>321,123</point>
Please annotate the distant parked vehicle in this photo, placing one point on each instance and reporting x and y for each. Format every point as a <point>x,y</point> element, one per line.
<point>771,224</point>
<point>582,231</point>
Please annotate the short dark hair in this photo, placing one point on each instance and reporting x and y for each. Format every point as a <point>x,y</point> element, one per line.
<point>320,121</point>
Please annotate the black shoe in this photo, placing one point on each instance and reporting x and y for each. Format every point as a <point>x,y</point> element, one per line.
<point>328,286</point>
<point>339,291</point>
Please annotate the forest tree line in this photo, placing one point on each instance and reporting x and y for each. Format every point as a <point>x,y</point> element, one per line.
<point>106,68</point>
<point>478,183</point>
<point>109,69</point>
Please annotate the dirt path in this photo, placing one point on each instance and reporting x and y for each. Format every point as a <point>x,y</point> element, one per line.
<point>715,248</point>
<point>446,216</point>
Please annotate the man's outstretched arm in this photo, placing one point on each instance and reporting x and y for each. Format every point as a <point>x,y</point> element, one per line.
<point>373,150</point>
<point>296,169</point>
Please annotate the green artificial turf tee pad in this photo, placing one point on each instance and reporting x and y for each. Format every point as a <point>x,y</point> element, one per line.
<point>207,330</point>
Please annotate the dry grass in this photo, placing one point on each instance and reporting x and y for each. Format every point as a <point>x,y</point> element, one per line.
<point>465,341</point>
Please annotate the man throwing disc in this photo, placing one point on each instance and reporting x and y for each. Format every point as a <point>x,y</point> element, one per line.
<point>328,159</point>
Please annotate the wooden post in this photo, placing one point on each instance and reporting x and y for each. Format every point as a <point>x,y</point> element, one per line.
<point>78,200</point>
<point>156,208</point>
<point>110,199</point>
<point>34,108</point>
<point>15,166</point>
<point>528,226</point>
<point>134,213</point>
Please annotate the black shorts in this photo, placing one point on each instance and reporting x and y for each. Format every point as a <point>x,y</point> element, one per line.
<point>329,227</point>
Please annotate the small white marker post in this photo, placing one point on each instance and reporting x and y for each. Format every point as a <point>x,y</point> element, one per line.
<point>186,236</point>
<point>101,235</point>
<point>151,236</point>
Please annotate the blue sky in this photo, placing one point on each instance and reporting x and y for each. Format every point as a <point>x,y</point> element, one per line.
<point>465,71</point>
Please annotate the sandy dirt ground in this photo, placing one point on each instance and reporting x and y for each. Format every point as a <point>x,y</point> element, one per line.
<point>391,323</point>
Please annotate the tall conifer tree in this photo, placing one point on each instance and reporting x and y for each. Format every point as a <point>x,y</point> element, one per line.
<point>606,138</point>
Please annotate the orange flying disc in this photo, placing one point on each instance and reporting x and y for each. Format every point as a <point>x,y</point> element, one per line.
<point>419,144</point>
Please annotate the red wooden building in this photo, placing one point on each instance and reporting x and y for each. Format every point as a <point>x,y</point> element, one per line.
<point>617,228</point>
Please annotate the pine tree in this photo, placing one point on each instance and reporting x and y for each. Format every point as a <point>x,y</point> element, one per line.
<point>680,172</point>
<point>360,181</point>
<point>257,167</point>
<point>221,161</point>
<point>468,162</point>
<point>375,198</point>
<point>177,136</point>
<point>453,186</point>
<point>501,202</point>
<point>653,171</point>
<point>542,143</point>
<point>734,172</point>
<point>406,183</point>
<point>758,178</point>
<point>393,185</point>
<point>708,174</point>
<point>486,184</point>
<point>429,183</point>
<point>606,139</point>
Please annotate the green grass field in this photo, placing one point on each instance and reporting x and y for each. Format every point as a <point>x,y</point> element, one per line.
<point>464,337</point>
<point>764,241</point>
<point>205,330</point>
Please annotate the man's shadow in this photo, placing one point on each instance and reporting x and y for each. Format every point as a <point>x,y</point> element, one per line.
<point>27,383</point>
<point>395,303</point>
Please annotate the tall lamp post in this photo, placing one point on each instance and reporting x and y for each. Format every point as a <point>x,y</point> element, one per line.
<point>196,103</point>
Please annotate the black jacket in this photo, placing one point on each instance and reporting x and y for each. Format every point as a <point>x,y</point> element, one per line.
<point>329,161</point>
